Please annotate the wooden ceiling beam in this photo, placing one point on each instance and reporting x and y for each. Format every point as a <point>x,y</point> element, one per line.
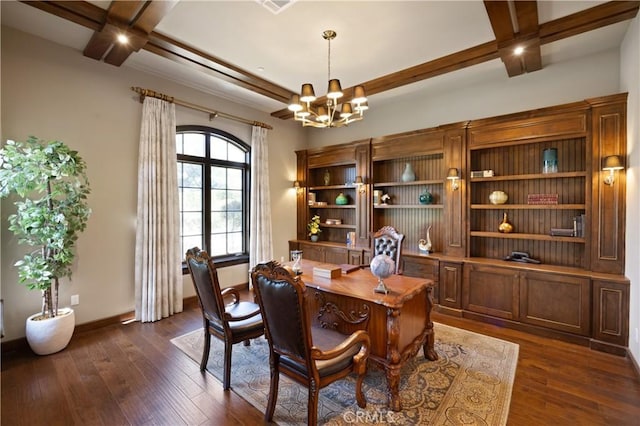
<point>522,33</point>
<point>93,17</point>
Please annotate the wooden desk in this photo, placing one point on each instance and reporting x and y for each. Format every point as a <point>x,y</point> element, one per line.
<point>398,323</point>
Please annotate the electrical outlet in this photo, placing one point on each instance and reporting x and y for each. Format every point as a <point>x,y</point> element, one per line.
<point>75,299</point>
<point>637,335</point>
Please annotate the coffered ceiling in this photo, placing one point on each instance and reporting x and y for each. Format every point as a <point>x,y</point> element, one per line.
<point>241,50</point>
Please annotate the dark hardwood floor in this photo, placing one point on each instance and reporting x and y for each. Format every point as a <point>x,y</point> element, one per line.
<point>132,375</point>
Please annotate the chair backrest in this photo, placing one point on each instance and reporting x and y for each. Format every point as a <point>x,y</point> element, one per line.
<point>205,280</point>
<point>388,241</point>
<point>282,302</point>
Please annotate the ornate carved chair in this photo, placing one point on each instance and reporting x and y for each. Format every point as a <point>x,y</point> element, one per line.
<point>388,241</point>
<point>312,356</point>
<point>233,321</point>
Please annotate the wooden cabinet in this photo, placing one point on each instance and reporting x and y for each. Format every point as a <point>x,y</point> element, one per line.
<point>610,312</point>
<point>422,153</point>
<point>491,290</point>
<point>420,265</point>
<point>517,167</point>
<point>558,302</point>
<point>577,293</point>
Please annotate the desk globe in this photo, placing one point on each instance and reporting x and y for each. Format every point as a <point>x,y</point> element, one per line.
<point>382,266</point>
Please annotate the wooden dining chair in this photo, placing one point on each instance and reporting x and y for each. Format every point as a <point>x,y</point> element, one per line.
<point>388,241</point>
<point>312,356</point>
<point>224,315</point>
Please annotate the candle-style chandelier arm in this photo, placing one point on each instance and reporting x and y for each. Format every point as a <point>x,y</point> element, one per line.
<point>328,112</point>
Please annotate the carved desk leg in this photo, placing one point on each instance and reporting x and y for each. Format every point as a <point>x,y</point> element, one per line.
<point>393,365</point>
<point>429,343</point>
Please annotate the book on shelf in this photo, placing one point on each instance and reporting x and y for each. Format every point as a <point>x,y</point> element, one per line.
<point>578,226</point>
<point>562,232</point>
<point>542,199</point>
<point>327,270</point>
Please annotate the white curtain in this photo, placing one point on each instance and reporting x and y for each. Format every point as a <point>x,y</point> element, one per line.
<point>158,270</point>
<point>260,248</point>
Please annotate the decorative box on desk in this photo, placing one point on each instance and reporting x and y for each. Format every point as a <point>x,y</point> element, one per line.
<point>327,270</point>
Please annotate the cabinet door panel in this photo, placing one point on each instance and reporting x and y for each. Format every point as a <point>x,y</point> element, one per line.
<point>355,257</point>
<point>556,301</point>
<point>450,284</point>
<point>312,252</point>
<point>610,312</point>
<point>490,290</point>
<point>336,255</point>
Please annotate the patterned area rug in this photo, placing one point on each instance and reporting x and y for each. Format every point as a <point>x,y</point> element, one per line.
<point>469,385</point>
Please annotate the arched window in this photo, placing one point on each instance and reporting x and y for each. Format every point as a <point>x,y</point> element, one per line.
<point>213,180</point>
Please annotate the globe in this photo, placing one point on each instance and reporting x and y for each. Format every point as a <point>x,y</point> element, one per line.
<point>382,266</point>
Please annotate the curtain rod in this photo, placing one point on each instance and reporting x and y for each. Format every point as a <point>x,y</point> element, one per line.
<point>212,113</point>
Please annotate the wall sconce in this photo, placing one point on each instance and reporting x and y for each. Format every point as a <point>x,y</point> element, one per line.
<point>298,187</point>
<point>359,183</point>
<point>611,163</point>
<point>454,176</point>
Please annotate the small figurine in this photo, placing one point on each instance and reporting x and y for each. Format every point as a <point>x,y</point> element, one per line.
<point>386,198</point>
<point>425,245</point>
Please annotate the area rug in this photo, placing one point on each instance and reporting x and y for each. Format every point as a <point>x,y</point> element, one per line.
<point>470,383</point>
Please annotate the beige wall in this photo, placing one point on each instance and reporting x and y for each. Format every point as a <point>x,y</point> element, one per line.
<point>53,92</point>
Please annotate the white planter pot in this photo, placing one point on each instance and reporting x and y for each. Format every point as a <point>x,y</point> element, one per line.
<point>50,335</point>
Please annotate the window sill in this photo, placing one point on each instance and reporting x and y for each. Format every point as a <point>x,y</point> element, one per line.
<point>222,262</point>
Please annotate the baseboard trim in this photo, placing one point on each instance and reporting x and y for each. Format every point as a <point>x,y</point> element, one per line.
<point>634,362</point>
<point>21,343</point>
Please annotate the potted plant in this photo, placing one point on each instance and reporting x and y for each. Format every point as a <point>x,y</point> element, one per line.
<point>314,228</point>
<point>51,181</point>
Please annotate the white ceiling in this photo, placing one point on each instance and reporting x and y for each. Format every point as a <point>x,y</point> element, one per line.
<point>375,38</point>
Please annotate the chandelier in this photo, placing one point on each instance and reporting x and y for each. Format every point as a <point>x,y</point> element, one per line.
<point>332,113</point>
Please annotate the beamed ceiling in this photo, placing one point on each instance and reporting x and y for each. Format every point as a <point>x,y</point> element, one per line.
<point>242,51</point>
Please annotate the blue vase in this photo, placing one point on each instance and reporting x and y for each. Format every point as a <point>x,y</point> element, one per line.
<point>426,198</point>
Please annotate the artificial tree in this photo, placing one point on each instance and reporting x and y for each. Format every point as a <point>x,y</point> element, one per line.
<point>52,184</point>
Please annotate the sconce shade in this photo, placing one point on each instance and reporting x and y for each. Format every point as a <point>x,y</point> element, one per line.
<point>358,180</point>
<point>296,184</point>
<point>453,174</point>
<point>612,162</point>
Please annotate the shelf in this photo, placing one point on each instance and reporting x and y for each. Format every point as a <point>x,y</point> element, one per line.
<point>323,187</point>
<point>528,207</point>
<point>412,183</point>
<point>558,175</point>
<point>334,206</point>
<point>520,236</point>
<point>408,206</point>
<point>341,226</point>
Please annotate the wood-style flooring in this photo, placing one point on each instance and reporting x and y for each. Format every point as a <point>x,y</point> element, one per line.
<point>132,375</point>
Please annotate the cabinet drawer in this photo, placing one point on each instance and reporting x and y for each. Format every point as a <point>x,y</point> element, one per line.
<point>420,267</point>
<point>490,290</point>
<point>558,302</point>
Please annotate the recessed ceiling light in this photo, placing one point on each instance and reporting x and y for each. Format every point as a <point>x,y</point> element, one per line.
<point>518,50</point>
<point>261,69</point>
<point>123,39</point>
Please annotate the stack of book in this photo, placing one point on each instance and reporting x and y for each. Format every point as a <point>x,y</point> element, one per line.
<point>327,270</point>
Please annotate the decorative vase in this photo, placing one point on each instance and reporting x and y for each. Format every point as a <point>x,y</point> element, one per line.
<point>498,197</point>
<point>50,335</point>
<point>341,199</point>
<point>550,160</point>
<point>314,237</point>
<point>505,227</point>
<point>327,177</point>
<point>426,197</point>
<point>408,175</point>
